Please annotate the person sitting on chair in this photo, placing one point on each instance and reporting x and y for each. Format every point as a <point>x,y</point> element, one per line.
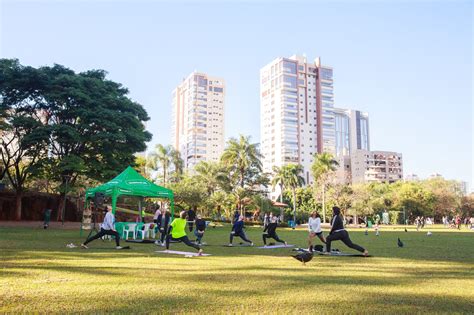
<point>106,228</point>
<point>238,230</point>
<point>270,232</point>
<point>338,233</point>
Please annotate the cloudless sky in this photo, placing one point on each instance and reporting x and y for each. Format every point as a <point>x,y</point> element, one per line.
<point>409,64</point>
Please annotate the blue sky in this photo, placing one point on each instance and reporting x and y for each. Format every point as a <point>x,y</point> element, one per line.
<point>409,64</point>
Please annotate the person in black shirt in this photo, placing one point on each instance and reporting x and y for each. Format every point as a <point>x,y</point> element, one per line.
<point>238,230</point>
<point>191,218</point>
<point>338,233</point>
<point>165,221</point>
<point>200,228</point>
<point>270,232</point>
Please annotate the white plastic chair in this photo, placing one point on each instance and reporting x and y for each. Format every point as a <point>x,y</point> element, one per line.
<point>144,231</point>
<point>152,230</point>
<point>129,228</point>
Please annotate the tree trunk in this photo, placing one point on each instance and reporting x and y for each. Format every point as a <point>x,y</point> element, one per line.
<point>324,204</point>
<point>281,193</point>
<point>294,206</point>
<point>18,199</point>
<point>59,214</point>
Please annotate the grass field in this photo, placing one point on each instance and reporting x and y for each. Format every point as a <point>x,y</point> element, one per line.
<point>430,274</point>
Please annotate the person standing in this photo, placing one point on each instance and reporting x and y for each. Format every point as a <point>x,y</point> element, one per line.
<point>177,232</point>
<point>339,233</point>
<point>238,230</point>
<point>200,229</point>
<point>47,218</point>
<point>270,232</point>
<point>157,218</point>
<point>165,220</point>
<point>106,228</point>
<point>314,229</point>
<point>191,218</point>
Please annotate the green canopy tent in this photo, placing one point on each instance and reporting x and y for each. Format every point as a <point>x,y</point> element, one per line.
<point>131,183</point>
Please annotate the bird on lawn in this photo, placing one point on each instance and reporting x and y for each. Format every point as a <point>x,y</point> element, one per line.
<point>406,230</point>
<point>400,243</point>
<point>304,257</point>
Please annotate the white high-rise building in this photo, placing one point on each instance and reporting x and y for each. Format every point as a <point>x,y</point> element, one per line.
<point>376,166</point>
<point>297,118</point>
<point>352,131</point>
<point>198,118</point>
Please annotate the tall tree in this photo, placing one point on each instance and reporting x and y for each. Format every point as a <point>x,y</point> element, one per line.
<point>243,159</point>
<point>211,175</point>
<point>22,135</point>
<point>324,165</point>
<point>293,179</point>
<point>178,165</point>
<point>278,179</point>
<point>94,127</point>
<point>160,160</point>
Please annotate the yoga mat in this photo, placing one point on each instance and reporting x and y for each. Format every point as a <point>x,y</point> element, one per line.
<point>276,246</point>
<point>176,252</point>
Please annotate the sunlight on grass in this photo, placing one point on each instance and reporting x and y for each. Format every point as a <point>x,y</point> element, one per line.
<point>40,274</point>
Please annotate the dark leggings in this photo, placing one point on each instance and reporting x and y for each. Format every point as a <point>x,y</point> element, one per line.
<point>274,236</point>
<point>163,234</point>
<point>344,237</point>
<point>103,233</point>
<point>241,235</point>
<point>183,239</point>
<point>190,225</point>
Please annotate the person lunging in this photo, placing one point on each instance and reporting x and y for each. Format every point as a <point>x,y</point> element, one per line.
<point>106,228</point>
<point>338,233</point>
<point>238,230</point>
<point>270,232</point>
<point>177,232</point>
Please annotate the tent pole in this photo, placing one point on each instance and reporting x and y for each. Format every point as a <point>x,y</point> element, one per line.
<point>172,207</point>
<point>114,201</point>
<point>140,209</point>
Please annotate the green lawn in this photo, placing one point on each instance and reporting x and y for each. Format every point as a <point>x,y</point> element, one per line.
<point>430,274</point>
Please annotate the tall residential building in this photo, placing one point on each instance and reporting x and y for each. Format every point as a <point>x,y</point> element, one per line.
<point>198,118</point>
<point>352,131</point>
<point>376,166</point>
<point>297,119</point>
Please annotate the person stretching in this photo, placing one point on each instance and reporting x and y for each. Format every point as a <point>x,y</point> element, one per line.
<point>314,226</point>
<point>106,228</point>
<point>338,233</point>
<point>177,232</point>
<point>238,230</point>
<point>200,228</point>
<point>270,232</point>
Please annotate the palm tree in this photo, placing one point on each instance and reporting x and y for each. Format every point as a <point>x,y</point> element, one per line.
<point>278,179</point>
<point>323,166</point>
<point>241,156</point>
<point>293,180</point>
<point>161,159</point>
<point>210,175</point>
<point>177,162</point>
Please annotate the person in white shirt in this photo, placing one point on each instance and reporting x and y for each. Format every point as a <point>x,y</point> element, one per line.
<point>314,229</point>
<point>106,228</point>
